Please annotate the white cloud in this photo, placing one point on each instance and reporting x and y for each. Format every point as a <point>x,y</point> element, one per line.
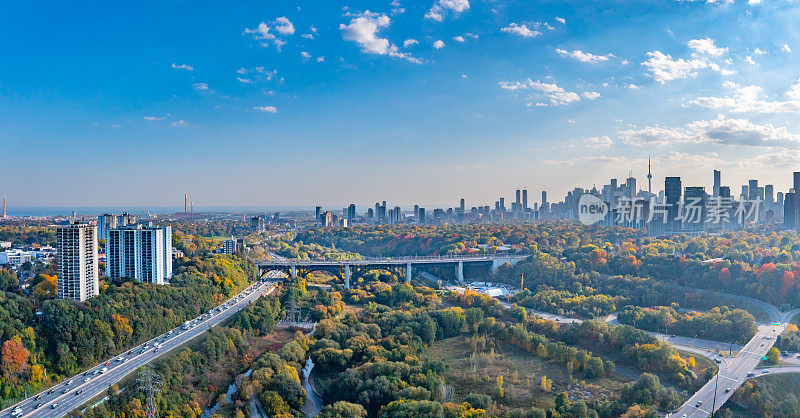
<point>663,68</point>
<point>283,26</point>
<point>759,51</point>
<point>584,56</point>
<point>749,99</point>
<point>600,160</point>
<point>305,55</point>
<point>153,118</point>
<point>438,44</point>
<point>561,20</point>
<point>320,59</point>
<point>785,48</point>
<point>307,36</point>
<point>182,67</point>
<point>180,124</point>
<point>719,131</point>
<point>409,42</point>
<point>706,46</point>
<point>521,30</point>
<point>363,29</point>
<point>441,7</point>
<point>632,86</point>
<point>546,94</point>
<point>202,87</point>
<point>591,95</point>
<point>262,32</point>
<point>251,75</point>
<point>598,142</point>
<point>266,109</point>
<point>749,60</point>
<point>459,38</point>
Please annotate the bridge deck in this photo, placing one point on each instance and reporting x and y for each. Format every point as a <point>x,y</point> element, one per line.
<point>388,261</point>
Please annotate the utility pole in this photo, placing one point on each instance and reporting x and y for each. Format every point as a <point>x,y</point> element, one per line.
<point>522,282</point>
<point>149,384</point>
<point>716,382</point>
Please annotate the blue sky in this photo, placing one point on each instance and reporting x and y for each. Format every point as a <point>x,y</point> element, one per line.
<point>296,103</point>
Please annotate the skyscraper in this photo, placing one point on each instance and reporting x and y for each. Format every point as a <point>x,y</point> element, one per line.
<point>649,177</point>
<point>78,275</point>
<point>790,210</point>
<point>694,208</point>
<point>630,186</point>
<point>351,214</point>
<point>461,206</point>
<point>717,182</point>
<point>752,190</point>
<point>140,252</point>
<point>769,194</point>
<point>672,193</point>
<point>524,199</point>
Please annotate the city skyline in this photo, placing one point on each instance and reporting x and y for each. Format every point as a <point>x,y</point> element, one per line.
<point>295,103</point>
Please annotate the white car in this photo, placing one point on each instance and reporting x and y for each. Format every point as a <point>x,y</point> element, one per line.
<point>17,412</point>
<point>104,369</point>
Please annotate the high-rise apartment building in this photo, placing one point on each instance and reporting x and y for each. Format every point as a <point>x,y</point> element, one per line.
<point>78,275</point>
<point>141,252</point>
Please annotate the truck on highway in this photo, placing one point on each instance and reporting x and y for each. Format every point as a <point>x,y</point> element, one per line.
<point>187,324</point>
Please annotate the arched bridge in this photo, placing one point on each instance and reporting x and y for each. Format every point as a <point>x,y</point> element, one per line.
<point>400,267</point>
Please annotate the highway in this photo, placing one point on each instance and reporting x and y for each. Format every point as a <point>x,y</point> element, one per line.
<point>732,372</point>
<point>76,391</point>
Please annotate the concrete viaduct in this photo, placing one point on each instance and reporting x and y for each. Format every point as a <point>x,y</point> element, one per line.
<point>400,267</point>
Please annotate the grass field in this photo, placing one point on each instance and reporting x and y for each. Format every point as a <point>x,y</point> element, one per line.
<point>474,365</point>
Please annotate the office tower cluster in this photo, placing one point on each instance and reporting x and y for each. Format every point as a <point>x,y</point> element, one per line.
<point>259,223</point>
<point>78,266</point>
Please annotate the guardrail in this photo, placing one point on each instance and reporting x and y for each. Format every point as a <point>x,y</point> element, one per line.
<point>445,258</point>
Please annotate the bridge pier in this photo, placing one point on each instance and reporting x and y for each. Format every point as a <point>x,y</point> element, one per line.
<point>293,271</point>
<point>460,272</point>
<point>347,276</point>
<point>408,272</point>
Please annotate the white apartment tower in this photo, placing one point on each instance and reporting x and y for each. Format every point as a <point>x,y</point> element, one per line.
<point>78,275</point>
<point>140,252</point>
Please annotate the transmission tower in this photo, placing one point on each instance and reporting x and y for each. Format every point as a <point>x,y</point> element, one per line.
<point>149,384</point>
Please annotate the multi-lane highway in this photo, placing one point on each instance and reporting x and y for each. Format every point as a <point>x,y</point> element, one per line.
<point>732,372</point>
<point>78,390</point>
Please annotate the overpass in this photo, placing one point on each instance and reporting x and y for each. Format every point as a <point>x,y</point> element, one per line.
<point>400,267</point>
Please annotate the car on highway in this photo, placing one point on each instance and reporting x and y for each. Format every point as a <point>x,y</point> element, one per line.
<point>751,374</point>
<point>38,397</point>
<point>697,405</point>
<point>87,379</point>
<point>718,361</point>
<point>80,391</point>
<point>64,391</point>
<point>38,405</point>
<point>104,369</point>
<point>17,412</point>
<point>765,371</point>
<point>727,390</point>
<point>54,406</point>
<point>107,363</point>
<point>49,392</point>
<point>69,382</point>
